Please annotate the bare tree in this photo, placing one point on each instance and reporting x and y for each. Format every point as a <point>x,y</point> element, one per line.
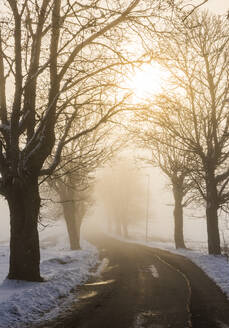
<point>174,162</point>
<point>52,54</point>
<point>73,180</point>
<point>74,196</point>
<point>196,54</point>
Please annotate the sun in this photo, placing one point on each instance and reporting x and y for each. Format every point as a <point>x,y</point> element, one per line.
<point>147,81</point>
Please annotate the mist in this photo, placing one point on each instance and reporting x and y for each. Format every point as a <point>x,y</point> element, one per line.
<point>150,195</point>
<point>149,182</point>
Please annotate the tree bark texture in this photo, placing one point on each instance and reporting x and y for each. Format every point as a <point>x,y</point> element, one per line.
<point>125,229</point>
<point>24,204</point>
<point>178,217</point>
<point>212,217</point>
<point>73,224</point>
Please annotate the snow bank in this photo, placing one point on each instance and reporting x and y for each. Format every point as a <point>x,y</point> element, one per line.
<point>25,303</point>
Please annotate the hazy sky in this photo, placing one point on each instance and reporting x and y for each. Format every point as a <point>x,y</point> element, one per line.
<point>218,6</point>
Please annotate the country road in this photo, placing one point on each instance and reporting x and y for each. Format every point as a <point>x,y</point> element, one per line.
<point>145,288</point>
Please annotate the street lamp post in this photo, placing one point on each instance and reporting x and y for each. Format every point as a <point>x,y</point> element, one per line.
<point>147,206</point>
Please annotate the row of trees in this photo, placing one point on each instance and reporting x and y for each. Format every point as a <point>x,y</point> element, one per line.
<point>61,63</point>
<point>186,127</point>
<point>58,65</point>
<point>121,191</point>
<point>187,131</point>
<point>72,184</point>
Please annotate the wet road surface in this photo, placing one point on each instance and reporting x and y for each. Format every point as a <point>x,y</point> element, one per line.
<point>143,288</point>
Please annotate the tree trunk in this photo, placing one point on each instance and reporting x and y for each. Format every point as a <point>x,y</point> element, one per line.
<point>109,224</point>
<point>73,225</point>
<point>125,229</point>
<point>24,205</point>
<point>212,217</point>
<point>178,217</point>
<point>118,226</point>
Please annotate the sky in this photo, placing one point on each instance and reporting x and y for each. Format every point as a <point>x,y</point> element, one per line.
<point>217,6</point>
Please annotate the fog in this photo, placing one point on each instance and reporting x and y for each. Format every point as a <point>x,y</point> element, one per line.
<point>160,213</point>
<point>160,205</point>
<point>5,220</point>
<point>215,6</point>
<point>159,209</point>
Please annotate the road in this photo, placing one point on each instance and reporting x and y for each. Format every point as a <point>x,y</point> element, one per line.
<point>144,288</point>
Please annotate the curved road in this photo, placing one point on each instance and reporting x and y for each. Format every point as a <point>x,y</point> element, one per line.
<point>142,287</point>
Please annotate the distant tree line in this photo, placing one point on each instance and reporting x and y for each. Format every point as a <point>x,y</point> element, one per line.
<point>121,191</point>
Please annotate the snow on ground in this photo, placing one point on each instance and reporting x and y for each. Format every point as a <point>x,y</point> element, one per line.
<point>102,266</point>
<point>25,303</point>
<point>154,271</point>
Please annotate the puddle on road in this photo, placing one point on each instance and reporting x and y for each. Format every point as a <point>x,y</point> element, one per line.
<point>87,295</point>
<point>97,283</point>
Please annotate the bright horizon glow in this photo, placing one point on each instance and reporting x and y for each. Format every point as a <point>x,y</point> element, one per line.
<point>147,81</point>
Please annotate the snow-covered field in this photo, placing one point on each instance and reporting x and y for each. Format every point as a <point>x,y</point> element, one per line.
<point>25,303</point>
